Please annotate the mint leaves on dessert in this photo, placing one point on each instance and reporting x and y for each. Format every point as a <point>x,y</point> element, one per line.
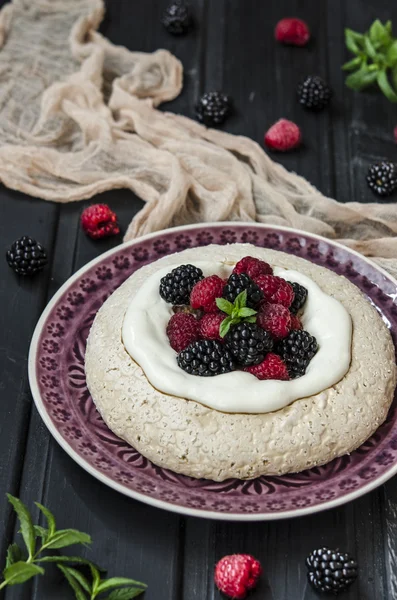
<point>39,546</point>
<point>237,312</point>
<point>375,60</point>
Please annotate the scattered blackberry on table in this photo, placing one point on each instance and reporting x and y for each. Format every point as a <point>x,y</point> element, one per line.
<point>175,287</point>
<point>213,108</point>
<point>248,343</point>
<point>176,18</point>
<point>300,296</point>
<point>382,178</point>
<point>206,358</point>
<point>237,283</point>
<point>330,570</point>
<point>314,93</point>
<point>26,256</point>
<point>297,350</point>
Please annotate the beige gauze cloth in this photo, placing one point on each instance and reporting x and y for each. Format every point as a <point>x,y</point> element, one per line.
<point>78,117</point>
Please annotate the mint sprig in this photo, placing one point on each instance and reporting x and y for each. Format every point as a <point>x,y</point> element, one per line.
<point>237,312</point>
<point>22,565</point>
<point>375,59</point>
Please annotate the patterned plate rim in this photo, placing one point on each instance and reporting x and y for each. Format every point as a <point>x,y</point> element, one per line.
<point>188,511</point>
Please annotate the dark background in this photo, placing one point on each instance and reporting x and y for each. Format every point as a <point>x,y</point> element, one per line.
<point>232,48</point>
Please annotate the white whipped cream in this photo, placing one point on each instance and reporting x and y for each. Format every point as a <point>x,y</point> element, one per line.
<point>145,339</point>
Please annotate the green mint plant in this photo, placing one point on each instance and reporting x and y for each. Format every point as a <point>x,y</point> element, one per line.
<point>237,312</point>
<point>375,59</point>
<point>23,564</point>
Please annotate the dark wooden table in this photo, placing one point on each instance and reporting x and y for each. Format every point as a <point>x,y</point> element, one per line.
<point>232,48</point>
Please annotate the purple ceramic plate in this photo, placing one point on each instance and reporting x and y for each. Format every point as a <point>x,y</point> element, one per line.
<point>56,373</point>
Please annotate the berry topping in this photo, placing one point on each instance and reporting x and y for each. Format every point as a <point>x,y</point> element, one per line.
<point>276,319</point>
<point>297,350</point>
<point>252,267</point>
<point>182,330</point>
<point>275,289</point>
<point>300,295</point>
<point>206,358</point>
<point>98,221</point>
<point>295,322</point>
<point>292,31</point>
<point>210,326</point>
<point>382,178</point>
<point>175,287</point>
<point>272,367</point>
<point>237,574</point>
<point>26,256</point>
<point>176,18</point>
<point>330,570</point>
<point>213,108</point>
<point>248,343</point>
<point>205,292</point>
<point>237,283</point>
<point>283,135</point>
<point>314,93</point>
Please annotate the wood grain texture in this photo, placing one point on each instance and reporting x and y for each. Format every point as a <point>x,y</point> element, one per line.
<point>231,48</point>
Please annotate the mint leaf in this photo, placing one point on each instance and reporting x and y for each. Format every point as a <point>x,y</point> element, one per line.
<point>378,34</point>
<point>26,524</point>
<point>394,77</point>
<point>224,305</point>
<point>361,78</point>
<point>369,48</point>
<point>70,559</point>
<point>125,594</point>
<point>241,300</point>
<point>225,326</point>
<point>391,55</point>
<point>96,578</point>
<point>247,312</point>
<point>14,554</point>
<point>388,27</point>
<point>79,594</point>
<point>385,86</point>
<point>353,40</point>
<point>114,582</point>
<point>40,532</point>
<point>49,517</point>
<point>67,537</point>
<point>79,577</point>
<point>352,64</point>
<point>250,320</point>
<point>20,572</point>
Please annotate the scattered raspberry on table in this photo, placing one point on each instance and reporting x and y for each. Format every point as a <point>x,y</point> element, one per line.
<point>237,574</point>
<point>292,31</point>
<point>98,221</point>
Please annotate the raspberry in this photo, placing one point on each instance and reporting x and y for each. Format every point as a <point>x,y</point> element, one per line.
<point>283,135</point>
<point>236,574</point>
<point>275,289</point>
<point>292,31</point>
<point>205,292</point>
<point>295,322</point>
<point>272,367</point>
<point>276,319</point>
<point>252,267</point>
<point>182,330</point>
<point>99,221</point>
<point>210,324</point>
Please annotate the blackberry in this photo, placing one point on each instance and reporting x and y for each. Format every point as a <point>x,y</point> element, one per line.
<point>330,570</point>
<point>237,283</point>
<point>297,350</point>
<point>300,295</point>
<point>248,343</point>
<point>175,287</point>
<point>314,93</point>
<point>213,108</point>
<point>382,178</point>
<point>26,256</point>
<point>206,358</point>
<point>176,18</point>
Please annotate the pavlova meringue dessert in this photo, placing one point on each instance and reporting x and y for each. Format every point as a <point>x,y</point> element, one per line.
<point>238,361</point>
